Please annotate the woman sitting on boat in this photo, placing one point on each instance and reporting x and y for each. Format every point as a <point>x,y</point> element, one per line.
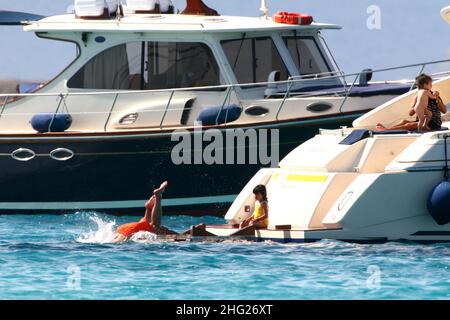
<point>260,217</point>
<point>427,105</point>
<point>151,222</point>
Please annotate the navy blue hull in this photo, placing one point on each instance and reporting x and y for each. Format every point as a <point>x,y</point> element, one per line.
<point>115,173</point>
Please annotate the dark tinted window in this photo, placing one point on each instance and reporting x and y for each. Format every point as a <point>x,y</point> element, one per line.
<point>253,59</point>
<point>307,56</point>
<point>149,65</point>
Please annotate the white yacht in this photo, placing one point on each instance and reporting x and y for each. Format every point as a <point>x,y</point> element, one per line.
<point>358,184</point>
<point>98,136</point>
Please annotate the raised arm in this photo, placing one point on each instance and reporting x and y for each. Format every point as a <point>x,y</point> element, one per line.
<point>413,104</point>
<point>442,106</point>
<point>440,102</point>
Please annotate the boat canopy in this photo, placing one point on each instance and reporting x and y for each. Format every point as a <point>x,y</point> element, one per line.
<point>14,18</point>
<point>167,23</point>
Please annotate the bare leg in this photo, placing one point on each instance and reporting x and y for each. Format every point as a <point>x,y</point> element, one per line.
<point>149,208</point>
<point>380,127</point>
<point>401,123</point>
<point>118,238</point>
<point>245,223</point>
<point>157,213</point>
<point>157,208</point>
<point>150,203</point>
<point>163,231</point>
<point>259,225</point>
<point>404,125</point>
<point>408,125</point>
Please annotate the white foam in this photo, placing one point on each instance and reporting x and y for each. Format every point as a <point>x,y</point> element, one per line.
<point>104,233</point>
<point>144,237</point>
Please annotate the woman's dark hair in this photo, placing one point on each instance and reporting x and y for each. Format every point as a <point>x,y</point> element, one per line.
<point>261,189</point>
<point>422,80</point>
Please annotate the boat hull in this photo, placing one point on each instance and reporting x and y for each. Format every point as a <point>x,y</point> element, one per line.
<point>373,208</point>
<point>116,172</point>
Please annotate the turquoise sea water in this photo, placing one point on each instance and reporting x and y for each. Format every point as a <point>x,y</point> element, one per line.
<point>68,257</point>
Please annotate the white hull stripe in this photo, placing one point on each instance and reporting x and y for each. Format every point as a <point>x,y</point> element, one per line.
<point>112,204</point>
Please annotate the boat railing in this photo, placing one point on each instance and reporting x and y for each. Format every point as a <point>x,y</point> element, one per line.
<point>230,92</point>
<point>355,76</point>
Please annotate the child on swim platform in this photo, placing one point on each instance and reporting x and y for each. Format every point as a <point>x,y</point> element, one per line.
<point>260,217</point>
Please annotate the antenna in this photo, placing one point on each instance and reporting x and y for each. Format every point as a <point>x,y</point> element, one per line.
<point>119,10</point>
<point>264,8</point>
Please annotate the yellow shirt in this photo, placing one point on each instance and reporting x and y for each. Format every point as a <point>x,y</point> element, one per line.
<point>259,212</point>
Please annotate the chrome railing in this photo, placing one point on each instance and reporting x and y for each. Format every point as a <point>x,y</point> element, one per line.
<point>229,90</point>
<point>348,89</point>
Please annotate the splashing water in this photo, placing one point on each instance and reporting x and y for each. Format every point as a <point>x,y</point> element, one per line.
<point>104,233</point>
<point>144,237</point>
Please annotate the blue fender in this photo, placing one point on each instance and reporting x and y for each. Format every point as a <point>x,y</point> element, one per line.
<point>42,121</point>
<point>439,203</point>
<point>210,116</point>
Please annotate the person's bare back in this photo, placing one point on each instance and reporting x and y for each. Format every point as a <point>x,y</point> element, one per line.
<point>421,109</point>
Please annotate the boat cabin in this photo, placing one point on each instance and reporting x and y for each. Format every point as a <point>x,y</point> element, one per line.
<point>142,66</point>
<point>147,51</point>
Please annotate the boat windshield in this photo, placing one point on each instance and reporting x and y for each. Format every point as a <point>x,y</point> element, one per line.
<point>25,71</point>
<point>307,55</point>
<point>149,66</point>
<point>253,59</point>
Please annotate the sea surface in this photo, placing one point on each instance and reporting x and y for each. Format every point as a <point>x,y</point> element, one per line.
<point>71,257</point>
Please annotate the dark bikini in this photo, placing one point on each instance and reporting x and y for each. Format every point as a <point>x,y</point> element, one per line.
<point>436,120</point>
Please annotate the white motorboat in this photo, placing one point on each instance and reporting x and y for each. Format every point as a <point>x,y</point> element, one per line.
<point>358,184</point>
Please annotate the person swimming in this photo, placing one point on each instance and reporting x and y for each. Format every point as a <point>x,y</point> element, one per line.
<point>260,217</point>
<point>151,222</point>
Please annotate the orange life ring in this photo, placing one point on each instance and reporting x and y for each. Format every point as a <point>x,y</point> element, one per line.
<point>292,18</point>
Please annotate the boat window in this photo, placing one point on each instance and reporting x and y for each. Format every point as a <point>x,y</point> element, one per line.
<point>253,59</point>
<point>149,65</point>
<point>307,55</point>
<point>181,65</point>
